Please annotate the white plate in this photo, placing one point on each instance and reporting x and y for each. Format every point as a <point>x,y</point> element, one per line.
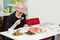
<point>43,30</point>
<point>24,29</point>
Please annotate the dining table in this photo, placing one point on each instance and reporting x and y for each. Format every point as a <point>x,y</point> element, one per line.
<point>52,30</point>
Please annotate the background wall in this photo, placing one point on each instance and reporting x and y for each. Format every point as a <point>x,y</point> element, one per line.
<point>7,2</point>
<point>1,5</point>
<point>46,10</point>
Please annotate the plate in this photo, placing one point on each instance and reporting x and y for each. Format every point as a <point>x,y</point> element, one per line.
<point>17,33</point>
<point>38,30</point>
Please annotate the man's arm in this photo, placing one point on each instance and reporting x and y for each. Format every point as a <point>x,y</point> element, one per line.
<point>8,23</point>
<point>15,24</point>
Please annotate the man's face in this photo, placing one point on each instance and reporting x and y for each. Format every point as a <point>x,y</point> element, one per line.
<point>20,8</point>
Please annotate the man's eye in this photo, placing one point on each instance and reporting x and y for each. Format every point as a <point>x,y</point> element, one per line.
<point>18,8</point>
<point>22,8</point>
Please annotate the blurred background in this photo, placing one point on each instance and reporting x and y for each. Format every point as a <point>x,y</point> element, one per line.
<point>8,6</point>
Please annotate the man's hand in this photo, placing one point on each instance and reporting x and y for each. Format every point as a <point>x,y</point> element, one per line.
<point>15,24</point>
<point>18,22</point>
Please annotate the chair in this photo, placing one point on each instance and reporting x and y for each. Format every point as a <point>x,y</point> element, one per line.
<point>3,24</point>
<point>2,27</point>
<point>0,37</point>
<point>0,31</point>
<point>34,21</point>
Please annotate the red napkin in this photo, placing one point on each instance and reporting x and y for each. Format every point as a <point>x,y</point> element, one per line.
<point>33,21</point>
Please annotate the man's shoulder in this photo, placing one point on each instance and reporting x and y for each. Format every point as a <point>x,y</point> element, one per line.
<point>11,15</point>
<point>24,15</point>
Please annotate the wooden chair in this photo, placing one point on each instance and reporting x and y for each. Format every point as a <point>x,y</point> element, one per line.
<point>1,38</point>
<point>2,27</point>
<point>3,24</point>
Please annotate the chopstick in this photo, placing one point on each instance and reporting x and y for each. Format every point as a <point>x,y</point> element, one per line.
<point>21,18</point>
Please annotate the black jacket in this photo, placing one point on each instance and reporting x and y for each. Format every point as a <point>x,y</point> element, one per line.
<point>12,19</point>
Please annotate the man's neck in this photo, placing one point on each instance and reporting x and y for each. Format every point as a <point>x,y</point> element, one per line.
<point>18,15</point>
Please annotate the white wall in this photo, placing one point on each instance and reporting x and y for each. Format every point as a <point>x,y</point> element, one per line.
<point>1,4</point>
<point>46,10</point>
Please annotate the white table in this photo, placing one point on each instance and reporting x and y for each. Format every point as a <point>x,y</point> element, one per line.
<point>37,36</point>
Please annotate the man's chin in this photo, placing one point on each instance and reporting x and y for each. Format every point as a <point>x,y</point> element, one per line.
<point>21,13</point>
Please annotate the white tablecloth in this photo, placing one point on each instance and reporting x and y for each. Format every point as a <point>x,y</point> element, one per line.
<point>49,32</point>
